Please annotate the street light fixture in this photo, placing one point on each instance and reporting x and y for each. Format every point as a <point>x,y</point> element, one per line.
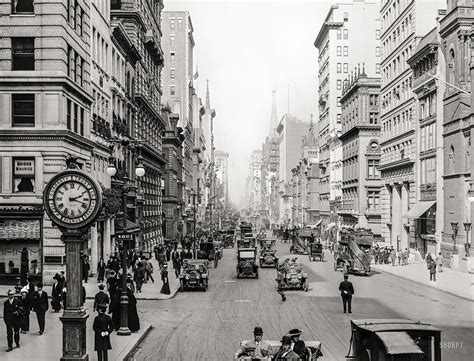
<point>455,227</point>
<point>467,245</point>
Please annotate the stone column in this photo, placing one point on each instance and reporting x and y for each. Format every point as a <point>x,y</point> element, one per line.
<point>107,241</point>
<point>94,252</point>
<point>405,201</point>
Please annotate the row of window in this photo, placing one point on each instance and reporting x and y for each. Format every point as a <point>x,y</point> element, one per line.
<point>397,124</point>
<point>342,51</point>
<point>398,152</point>
<point>75,16</point>
<point>75,66</point>
<point>395,96</point>
<point>340,67</point>
<point>100,51</point>
<point>176,21</point>
<point>396,66</point>
<point>74,117</point>
<point>393,12</point>
<point>342,34</point>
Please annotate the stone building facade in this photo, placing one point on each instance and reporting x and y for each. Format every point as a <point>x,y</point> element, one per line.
<point>360,139</point>
<point>456,32</point>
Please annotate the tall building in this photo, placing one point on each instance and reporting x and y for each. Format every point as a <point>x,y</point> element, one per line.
<point>427,63</point>
<point>199,156</point>
<point>348,38</point>
<point>45,97</point>
<point>222,175</point>
<point>290,131</point>
<point>457,39</point>
<point>141,25</point>
<point>178,88</point>
<point>403,23</point>
<point>360,139</point>
<point>270,165</point>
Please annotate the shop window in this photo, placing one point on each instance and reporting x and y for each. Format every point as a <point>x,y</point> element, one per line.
<point>23,110</point>
<point>23,175</point>
<point>23,6</point>
<point>23,54</point>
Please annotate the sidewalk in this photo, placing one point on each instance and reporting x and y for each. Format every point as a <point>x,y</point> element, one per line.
<point>49,346</point>
<point>459,284</point>
<point>150,291</point>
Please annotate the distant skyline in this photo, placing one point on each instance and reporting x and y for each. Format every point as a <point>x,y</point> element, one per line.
<point>247,49</point>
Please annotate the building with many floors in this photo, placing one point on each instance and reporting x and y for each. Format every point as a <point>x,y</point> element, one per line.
<point>457,42</point>
<point>349,35</point>
<point>428,65</point>
<point>290,132</point>
<point>360,139</point>
<point>403,24</point>
<point>178,90</point>
<point>222,176</point>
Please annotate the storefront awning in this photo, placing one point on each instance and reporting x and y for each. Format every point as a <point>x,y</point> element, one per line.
<point>130,227</point>
<point>399,342</point>
<point>330,226</point>
<point>419,209</point>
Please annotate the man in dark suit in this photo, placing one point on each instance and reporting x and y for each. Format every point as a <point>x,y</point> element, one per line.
<point>347,290</point>
<point>12,316</point>
<point>297,345</point>
<point>101,298</point>
<point>40,306</point>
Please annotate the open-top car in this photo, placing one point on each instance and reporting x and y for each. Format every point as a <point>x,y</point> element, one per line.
<point>208,252</point>
<point>295,277</point>
<point>394,340</point>
<point>194,274</point>
<point>313,350</point>
<point>268,257</point>
<point>247,263</point>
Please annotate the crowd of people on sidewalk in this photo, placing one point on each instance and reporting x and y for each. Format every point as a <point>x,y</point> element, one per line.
<point>387,255</point>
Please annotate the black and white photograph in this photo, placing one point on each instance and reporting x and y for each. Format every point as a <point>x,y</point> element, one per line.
<point>210,180</point>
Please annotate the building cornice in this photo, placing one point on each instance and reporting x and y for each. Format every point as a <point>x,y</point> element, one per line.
<point>357,129</point>
<point>396,164</point>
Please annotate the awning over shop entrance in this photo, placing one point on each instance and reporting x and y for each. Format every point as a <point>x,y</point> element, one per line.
<point>397,343</point>
<point>418,210</point>
<point>330,226</point>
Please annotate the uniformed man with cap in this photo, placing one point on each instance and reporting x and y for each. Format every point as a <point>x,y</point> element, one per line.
<point>102,327</point>
<point>261,347</point>
<point>347,290</point>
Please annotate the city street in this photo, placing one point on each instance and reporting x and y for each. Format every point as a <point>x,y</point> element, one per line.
<point>209,326</point>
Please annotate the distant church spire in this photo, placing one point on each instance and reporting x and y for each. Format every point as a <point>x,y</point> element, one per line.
<point>274,117</point>
<point>208,100</point>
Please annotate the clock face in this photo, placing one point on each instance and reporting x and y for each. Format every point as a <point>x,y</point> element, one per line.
<point>72,199</point>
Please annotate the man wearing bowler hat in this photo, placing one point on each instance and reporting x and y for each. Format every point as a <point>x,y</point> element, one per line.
<point>260,346</point>
<point>285,352</point>
<point>347,290</point>
<point>297,345</point>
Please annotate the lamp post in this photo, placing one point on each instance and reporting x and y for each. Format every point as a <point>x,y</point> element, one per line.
<point>467,245</point>
<point>455,227</point>
<point>139,172</point>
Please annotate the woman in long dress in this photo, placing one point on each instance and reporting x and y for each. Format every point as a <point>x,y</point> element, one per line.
<point>164,277</point>
<point>101,270</point>
<point>133,320</point>
<point>114,307</point>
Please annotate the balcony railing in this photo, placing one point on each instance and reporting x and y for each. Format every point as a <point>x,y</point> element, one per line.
<point>119,126</point>
<point>101,127</point>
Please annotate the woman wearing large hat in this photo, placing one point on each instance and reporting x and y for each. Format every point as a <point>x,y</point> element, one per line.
<point>297,345</point>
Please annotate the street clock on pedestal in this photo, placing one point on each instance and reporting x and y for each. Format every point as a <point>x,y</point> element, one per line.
<point>72,199</point>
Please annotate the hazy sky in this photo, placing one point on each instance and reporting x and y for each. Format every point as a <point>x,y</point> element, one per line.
<point>246,49</point>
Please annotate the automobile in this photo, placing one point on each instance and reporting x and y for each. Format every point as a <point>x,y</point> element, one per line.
<point>352,253</point>
<point>194,274</point>
<point>267,243</point>
<point>208,252</point>
<point>268,257</point>
<point>316,251</point>
<point>394,340</point>
<point>295,277</point>
<point>246,243</point>
<point>313,350</point>
<point>247,263</point>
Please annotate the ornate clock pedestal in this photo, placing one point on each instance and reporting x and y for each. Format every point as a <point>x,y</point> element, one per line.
<point>74,317</point>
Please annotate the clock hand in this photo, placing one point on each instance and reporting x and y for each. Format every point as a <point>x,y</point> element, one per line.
<point>74,198</point>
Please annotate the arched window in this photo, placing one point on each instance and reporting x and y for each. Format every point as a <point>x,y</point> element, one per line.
<point>452,67</point>
<point>452,160</point>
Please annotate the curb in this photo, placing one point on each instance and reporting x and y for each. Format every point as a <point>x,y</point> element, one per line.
<point>424,284</point>
<point>134,348</point>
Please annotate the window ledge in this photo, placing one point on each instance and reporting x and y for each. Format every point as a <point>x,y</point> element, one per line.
<point>23,14</point>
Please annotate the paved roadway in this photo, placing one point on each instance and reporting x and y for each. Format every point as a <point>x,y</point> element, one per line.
<point>209,326</point>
